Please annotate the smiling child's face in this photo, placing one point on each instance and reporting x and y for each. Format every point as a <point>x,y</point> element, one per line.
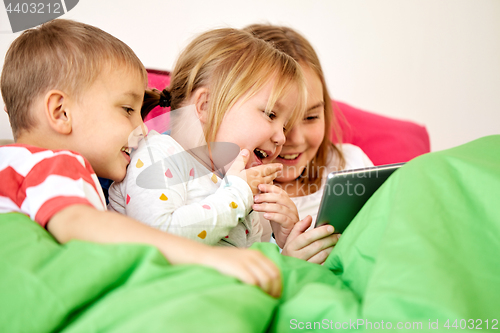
<point>107,121</point>
<point>304,139</point>
<point>248,125</point>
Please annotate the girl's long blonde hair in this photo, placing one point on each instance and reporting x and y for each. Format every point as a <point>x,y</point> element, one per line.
<point>292,43</point>
<point>231,64</point>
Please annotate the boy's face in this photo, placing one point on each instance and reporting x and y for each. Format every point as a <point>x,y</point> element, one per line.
<point>107,121</point>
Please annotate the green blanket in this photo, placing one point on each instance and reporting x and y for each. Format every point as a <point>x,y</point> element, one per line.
<point>422,253</point>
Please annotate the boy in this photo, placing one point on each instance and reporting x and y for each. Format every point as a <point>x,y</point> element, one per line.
<point>73,94</point>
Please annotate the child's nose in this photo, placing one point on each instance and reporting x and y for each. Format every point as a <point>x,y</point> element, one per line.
<point>137,135</point>
<point>144,130</point>
<point>279,137</point>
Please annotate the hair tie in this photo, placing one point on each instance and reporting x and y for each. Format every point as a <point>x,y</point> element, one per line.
<point>164,98</point>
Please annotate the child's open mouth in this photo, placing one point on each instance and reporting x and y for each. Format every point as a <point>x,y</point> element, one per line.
<point>260,153</point>
<point>126,153</point>
<point>289,156</point>
<point>289,159</point>
<point>126,150</point>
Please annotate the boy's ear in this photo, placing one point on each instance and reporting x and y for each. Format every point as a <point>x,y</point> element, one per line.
<point>201,104</point>
<point>58,116</point>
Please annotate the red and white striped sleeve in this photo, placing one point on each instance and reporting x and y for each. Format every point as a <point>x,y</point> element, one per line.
<point>40,182</point>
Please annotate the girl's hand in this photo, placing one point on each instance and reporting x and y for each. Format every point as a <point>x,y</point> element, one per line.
<point>313,245</point>
<point>249,266</point>
<point>262,174</point>
<point>279,209</point>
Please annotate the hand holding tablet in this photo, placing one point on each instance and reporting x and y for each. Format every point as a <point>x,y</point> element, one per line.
<point>347,191</point>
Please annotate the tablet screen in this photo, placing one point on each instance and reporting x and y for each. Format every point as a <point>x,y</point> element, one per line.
<point>347,191</point>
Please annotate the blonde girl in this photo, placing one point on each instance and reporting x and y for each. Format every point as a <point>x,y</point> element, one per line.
<point>241,91</point>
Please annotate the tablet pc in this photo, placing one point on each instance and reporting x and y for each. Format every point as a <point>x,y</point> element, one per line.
<point>347,191</point>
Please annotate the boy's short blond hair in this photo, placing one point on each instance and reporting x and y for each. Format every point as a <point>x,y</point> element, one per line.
<point>232,64</point>
<point>60,54</point>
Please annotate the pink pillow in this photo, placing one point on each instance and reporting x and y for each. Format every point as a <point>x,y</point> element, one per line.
<point>385,140</point>
<point>158,118</point>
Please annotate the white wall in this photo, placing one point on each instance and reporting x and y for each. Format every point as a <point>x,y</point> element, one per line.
<point>436,62</point>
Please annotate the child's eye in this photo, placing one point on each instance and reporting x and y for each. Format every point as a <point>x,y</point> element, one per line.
<point>128,110</point>
<point>311,117</point>
<point>270,114</point>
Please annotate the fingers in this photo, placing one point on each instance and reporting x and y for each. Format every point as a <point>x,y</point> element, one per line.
<point>265,173</point>
<point>310,245</point>
<point>277,213</point>
<point>269,188</point>
<point>262,174</point>
<point>259,271</point>
<point>266,274</point>
<point>299,228</point>
<point>249,266</point>
<point>240,162</point>
<point>278,195</point>
<point>254,181</point>
<point>273,193</point>
<point>276,204</point>
<point>259,179</point>
<point>278,199</point>
<point>267,169</point>
<point>316,247</point>
<point>320,257</point>
<point>271,207</point>
<point>291,245</point>
<point>314,235</point>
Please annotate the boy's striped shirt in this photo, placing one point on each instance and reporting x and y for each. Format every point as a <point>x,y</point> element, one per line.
<point>39,182</point>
